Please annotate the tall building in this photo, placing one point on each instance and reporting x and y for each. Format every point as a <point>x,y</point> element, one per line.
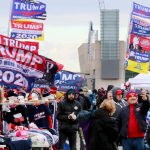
<point>109,53</point>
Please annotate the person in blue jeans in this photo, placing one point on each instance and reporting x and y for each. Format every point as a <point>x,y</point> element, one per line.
<point>131,121</point>
<point>133,144</point>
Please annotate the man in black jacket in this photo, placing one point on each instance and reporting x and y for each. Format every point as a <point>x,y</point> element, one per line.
<point>67,116</point>
<point>84,100</point>
<point>132,121</point>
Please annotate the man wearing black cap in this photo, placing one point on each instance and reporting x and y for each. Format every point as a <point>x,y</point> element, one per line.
<point>67,116</point>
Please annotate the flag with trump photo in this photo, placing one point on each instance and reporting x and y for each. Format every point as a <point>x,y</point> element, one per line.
<point>20,67</point>
<point>143,42</point>
<point>28,9</point>
<point>138,58</point>
<point>138,55</point>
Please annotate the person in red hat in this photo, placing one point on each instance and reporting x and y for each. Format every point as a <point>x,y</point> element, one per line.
<point>118,100</point>
<point>132,121</point>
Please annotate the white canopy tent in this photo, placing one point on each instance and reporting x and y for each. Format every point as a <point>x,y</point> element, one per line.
<point>140,81</point>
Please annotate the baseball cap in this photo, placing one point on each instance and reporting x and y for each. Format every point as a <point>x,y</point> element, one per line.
<point>131,93</point>
<point>119,92</point>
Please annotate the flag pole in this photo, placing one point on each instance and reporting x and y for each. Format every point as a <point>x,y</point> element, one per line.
<point>9,21</point>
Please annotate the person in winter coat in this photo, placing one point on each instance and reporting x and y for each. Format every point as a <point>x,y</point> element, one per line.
<point>84,100</point>
<point>131,121</point>
<point>118,100</point>
<point>67,120</point>
<point>103,130</point>
<point>109,95</point>
<point>100,97</point>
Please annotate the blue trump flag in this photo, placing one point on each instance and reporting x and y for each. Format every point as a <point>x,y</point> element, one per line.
<point>28,10</point>
<point>143,30</point>
<point>141,11</point>
<point>65,80</point>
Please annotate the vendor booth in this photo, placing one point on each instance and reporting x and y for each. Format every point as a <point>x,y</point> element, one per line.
<point>140,81</point>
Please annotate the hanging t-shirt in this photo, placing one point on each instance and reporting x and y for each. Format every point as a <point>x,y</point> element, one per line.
<point>39,115</point>
<point>16,116</point>
<point>20,145</point>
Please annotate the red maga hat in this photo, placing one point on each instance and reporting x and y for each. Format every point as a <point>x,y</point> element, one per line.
<point>53,90</point>
<point>119,92</point>
<point>131,93</point>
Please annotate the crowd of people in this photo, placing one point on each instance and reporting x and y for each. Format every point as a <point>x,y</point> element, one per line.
<point>113,117</point>
<point>104,119</point>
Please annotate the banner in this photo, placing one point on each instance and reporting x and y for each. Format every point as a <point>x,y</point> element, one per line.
<point>26,30</point>
<point>138,67</point>
<point>41,85</point>
<point>15,79</point>
<point>28,10</point>
<point>26,64</point>
<point>139,56</point>
<point>26,45</point>
<point>140,21</point>
<point>65,80</point>
<point>142,43</point>
<point>140,29</point>
<point>141,11</point>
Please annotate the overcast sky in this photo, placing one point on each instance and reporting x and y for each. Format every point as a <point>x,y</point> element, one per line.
<point>67,24</point>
